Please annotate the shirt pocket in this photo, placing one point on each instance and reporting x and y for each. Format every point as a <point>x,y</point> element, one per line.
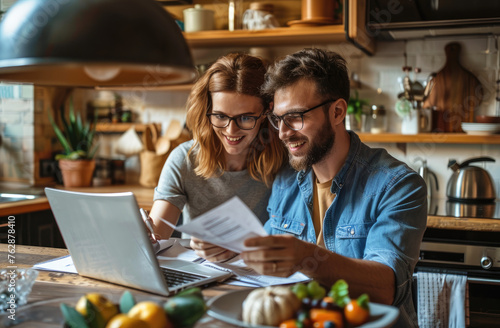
<point>351,239</point>
<point>281,225</point>
<point>353,231</point>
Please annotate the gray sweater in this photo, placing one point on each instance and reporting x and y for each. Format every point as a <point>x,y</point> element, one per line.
<point>194,195</point>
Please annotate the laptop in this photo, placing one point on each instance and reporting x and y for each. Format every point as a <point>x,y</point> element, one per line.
<point>107,240</point>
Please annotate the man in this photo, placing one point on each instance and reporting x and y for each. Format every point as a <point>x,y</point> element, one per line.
<point>351,212</point>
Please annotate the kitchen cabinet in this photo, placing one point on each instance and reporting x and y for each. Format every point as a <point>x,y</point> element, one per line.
<point>37,228</point>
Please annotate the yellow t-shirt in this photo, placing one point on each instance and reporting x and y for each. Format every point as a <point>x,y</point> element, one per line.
<point>322,199</point>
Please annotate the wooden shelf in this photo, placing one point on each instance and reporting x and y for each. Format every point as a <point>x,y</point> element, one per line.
<point>268,37</point>
<point>435,138</point>
<point>123,127</point>
<point>175,87</point>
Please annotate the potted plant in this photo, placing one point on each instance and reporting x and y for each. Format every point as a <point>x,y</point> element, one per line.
<point>77,139</point>
<point>354,112</point>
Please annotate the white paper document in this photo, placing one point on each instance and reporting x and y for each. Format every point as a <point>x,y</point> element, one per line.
<point>227,225</point>
<point>60,264</point>
<point>247,275</point>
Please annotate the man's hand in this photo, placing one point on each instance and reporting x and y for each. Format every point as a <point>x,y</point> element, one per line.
<point>277,255</point>
<point>210,251</point>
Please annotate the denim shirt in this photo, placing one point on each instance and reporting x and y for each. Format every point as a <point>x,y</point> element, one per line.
<point>379,214</point>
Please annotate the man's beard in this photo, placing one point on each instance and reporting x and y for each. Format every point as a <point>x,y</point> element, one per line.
<point>320,147</point>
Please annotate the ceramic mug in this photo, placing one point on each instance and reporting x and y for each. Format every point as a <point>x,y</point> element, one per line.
<point>198,19</point>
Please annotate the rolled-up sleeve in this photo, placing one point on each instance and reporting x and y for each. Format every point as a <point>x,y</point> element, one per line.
<point>395,237</point>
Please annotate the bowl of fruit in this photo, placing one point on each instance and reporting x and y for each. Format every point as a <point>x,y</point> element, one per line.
<point>96,310</point>
<point>302,305</point>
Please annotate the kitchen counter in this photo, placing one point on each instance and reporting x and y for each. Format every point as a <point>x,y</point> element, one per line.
<point>144,196</point>
<point>472,224</point>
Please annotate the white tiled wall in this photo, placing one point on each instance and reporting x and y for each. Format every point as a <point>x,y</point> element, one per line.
<point>16,130</point>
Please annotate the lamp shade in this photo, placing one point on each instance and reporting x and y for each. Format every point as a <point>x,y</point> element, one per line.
<point>93,43</point>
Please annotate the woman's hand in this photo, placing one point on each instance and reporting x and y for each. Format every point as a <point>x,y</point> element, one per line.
<point>210,251</point>
<point>150,228</point>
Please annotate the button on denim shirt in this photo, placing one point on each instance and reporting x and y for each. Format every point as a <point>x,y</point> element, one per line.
<point>379,214</point>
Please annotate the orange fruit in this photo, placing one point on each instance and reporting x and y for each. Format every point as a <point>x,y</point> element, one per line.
<point>105,307</point>
<point>124,321</point>
<point>152,313</point>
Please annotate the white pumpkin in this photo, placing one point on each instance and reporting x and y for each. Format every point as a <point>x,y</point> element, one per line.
<point>269,306</point>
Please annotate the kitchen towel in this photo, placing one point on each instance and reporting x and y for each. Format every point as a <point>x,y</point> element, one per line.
<point>442,300</point>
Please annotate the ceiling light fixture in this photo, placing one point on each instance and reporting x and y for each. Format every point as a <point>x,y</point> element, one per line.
<point>88,43</point>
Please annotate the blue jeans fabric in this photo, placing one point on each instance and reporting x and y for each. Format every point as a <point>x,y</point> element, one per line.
<point>379,214</point>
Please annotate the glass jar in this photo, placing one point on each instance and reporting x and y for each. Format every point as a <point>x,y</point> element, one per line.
<point>379,119</point>
<point>259,16</point>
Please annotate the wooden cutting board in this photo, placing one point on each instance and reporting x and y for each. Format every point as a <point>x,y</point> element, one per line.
<point>456,93</point>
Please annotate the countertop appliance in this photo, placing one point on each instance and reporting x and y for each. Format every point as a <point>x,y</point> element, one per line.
<point>431,181</point>
<point>470,183</point>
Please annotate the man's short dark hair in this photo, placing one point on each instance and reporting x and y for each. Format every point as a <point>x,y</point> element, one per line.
<point>327,69</point>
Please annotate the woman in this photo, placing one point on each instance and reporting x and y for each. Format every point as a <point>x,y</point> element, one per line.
<point>233,151</point>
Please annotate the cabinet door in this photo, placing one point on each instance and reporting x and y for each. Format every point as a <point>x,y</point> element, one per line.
<point>33,229</point>
<point>355,25</point>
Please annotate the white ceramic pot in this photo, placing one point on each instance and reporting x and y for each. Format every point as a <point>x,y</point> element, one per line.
<point>198,19</point>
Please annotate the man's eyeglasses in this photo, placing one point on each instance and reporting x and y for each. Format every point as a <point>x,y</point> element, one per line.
<point>244,122</point>
<point>294,121</point>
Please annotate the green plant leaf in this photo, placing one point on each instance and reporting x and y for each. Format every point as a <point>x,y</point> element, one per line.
<point>94,318</point>
<point>72,317</point>
<point>127,301</point>
<point>60,136</point>
<point>76,136</point>
<point>364,301</point>
<point>355,105</point>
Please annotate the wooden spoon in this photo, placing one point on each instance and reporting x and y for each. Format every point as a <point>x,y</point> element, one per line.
<point>149,137</point>
<point>165,141</point>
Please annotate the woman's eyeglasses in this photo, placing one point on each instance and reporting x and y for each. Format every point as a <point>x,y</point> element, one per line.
<point>244,122</point>
<point>294,121</point>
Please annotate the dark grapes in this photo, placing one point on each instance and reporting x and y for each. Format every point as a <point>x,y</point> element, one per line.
<point>329,324</point>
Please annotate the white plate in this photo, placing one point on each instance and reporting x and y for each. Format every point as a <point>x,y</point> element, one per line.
<point>481,128</point>
<point>227,308</point>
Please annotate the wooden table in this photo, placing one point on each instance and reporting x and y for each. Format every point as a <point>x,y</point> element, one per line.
<point>53,285</point>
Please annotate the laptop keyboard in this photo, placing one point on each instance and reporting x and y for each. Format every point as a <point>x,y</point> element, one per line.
<point>176,278</point>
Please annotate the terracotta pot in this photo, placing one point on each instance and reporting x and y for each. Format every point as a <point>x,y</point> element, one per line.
<point>318,9</point>
<point>77,173</point>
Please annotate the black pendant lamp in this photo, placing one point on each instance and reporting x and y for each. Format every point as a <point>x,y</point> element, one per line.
<point>87,43</point>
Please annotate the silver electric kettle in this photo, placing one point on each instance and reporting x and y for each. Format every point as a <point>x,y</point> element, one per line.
<point>431,181</point>
<point>470,183</point>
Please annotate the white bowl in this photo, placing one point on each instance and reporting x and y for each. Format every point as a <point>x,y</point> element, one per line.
<point>481,128</point>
